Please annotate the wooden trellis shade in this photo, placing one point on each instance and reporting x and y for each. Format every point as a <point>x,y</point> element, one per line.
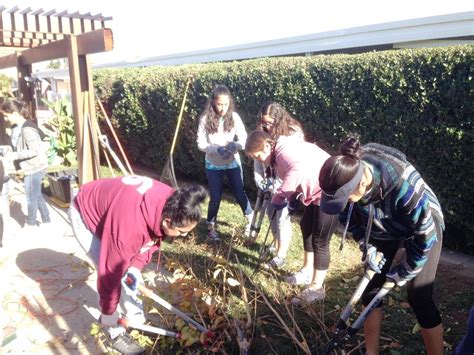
<point>29,28</point>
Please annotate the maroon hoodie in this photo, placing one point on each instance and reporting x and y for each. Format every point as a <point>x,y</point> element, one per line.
<point>125,214</point>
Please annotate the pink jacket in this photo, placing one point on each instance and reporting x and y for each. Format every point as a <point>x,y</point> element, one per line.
<point>297,164</point>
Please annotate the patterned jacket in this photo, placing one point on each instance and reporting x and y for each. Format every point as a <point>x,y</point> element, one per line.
<point>405,207</point>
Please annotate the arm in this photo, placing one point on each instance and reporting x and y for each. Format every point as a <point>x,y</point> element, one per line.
<point>258,173</point>
<point>290,182</point>
<point>33,143</point>
<point>140,260</point>
<point>413,206</point>
<point>202,139</point>
<point>120,254</point>
<point>240,132</point>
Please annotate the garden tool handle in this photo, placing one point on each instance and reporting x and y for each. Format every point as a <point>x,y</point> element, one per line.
<point>364,281</point>
<point>359,322</point>
<point>165,304</point>
<point>148,328</point>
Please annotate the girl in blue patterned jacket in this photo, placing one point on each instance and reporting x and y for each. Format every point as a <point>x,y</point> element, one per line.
<point>390,208</point>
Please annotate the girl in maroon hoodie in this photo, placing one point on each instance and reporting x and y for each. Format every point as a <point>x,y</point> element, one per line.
<point>120,222</point>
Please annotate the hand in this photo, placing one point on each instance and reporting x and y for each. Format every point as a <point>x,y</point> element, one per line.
<point>266,185</point>
<point>232,147</point>
<point>374,259</point>
<point>395,276</point>
<point>224,154</point>
<point>279,206</point>
<point>294,203</point>
<point>130,281</point>
<point>109,320</point>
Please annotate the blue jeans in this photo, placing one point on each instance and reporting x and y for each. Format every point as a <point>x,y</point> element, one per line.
<point>215,179</point>
<point>34,198</point>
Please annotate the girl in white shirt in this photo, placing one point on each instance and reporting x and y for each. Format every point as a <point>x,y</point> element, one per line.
<point>221,134</point>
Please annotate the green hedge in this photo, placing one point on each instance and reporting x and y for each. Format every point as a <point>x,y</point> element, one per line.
<point>419,101</point>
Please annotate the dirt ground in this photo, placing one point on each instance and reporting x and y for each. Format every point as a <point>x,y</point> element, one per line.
<point>48,286</point>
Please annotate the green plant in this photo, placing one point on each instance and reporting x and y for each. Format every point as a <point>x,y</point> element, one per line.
<point>5,85</point>
<point>417,100</point>
<point>62,124</point>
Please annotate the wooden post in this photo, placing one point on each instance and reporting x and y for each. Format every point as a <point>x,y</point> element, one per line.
<point>87,171</point>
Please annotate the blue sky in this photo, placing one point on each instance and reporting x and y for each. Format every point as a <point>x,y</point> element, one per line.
<point>157,27</point>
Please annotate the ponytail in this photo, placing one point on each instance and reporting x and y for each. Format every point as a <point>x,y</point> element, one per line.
<point>340,169</point>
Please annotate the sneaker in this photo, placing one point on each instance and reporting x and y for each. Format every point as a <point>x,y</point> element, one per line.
<point>276,263</point>
<point>308,296</point>
<point>248,226</point>
<point>299,278</point>
<point>212,235</point>
<point>126,345</point>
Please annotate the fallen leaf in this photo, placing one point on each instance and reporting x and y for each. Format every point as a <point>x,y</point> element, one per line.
<point>416,328</point>
<point>232,282</point>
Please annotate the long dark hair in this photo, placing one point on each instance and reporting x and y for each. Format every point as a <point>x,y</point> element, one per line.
<point>340,169</point>
<point>212,117</point>
<point>18,106</point>
<point>184,205</point>
<point>284,124</point>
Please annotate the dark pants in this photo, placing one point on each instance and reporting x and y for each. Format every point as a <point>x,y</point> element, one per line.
<point>34,198</point>
<point>420,289</point>
<point>215,179</point>
<point>317,229</point>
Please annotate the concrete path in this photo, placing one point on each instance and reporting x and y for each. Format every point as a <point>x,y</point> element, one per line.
<point>46,281</point>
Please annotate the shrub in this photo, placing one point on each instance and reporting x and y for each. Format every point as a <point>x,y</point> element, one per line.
<point>416,100</point>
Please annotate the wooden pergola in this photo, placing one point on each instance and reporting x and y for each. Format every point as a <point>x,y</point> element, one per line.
<point>35,36</point>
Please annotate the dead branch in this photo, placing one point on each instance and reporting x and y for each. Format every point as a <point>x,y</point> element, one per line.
<point>303,346</point>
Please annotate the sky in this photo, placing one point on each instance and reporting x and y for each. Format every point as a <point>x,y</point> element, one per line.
<point>143,28</point>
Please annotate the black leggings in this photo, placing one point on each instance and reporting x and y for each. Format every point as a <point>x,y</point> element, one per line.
<point>317,229</point>
<point>420,289</point>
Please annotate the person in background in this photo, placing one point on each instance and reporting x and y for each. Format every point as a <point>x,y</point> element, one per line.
<point>31,157</point>
<point>120,222</point>
<point>297,163</point>
<point>276,121</point>
<point>387,206</point>
<point>466,346</point>
<point>221,134</point>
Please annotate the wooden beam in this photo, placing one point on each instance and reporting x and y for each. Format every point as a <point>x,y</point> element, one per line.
<point>8,61</point>
<point>87,43</point>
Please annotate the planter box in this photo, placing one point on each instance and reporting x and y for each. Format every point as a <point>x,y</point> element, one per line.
<point>60,184</point>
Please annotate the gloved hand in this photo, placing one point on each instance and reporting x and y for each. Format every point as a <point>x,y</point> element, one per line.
<point>294,203</point>
<point>109,320</point>
<point>232,147</point>
<point>394,275</point>
<point>374,259</point>
<point>266,185</point>
<point>130,281</point>
<point>223,153</point>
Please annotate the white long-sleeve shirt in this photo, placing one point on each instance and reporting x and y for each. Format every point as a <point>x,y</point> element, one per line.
<point>209,143</point>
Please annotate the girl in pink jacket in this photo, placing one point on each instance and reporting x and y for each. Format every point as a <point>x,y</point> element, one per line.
<point>297,163</point>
